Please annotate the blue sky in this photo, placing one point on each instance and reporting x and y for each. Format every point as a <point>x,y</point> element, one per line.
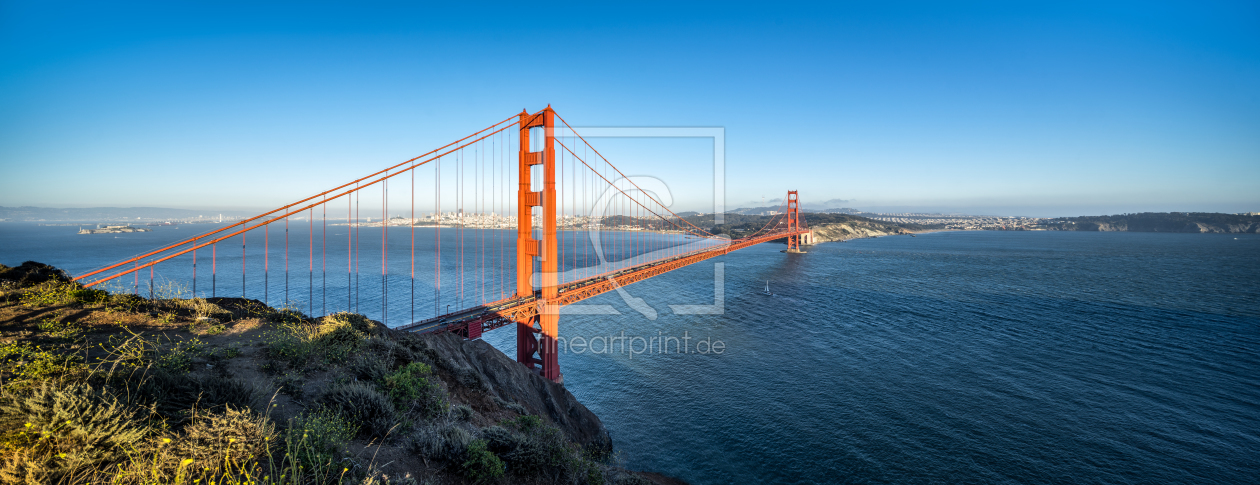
<point>1015,108</point>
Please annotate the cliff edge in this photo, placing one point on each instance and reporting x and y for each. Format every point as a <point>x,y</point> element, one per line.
<point>114,388</point>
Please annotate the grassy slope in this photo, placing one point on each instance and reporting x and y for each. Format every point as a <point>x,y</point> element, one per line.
<point>169,390</point>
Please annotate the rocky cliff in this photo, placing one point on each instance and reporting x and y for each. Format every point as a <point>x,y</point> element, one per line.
<point>854,230</point>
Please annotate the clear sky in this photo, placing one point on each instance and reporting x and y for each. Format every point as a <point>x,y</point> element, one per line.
<point>1012,108</point>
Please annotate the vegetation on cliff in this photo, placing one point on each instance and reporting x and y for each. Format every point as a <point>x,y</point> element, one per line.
<point>740,225</point>
<point>1193,222</point>
<point>114,388</point>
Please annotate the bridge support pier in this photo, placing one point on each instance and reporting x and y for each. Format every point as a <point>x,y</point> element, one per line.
<point>544,251</point>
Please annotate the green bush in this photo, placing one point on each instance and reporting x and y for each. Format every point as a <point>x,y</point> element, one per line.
<point>172,395</point>
<point>289,348</point>
<point>367,366</point>
<point>368,409</point>
<point>299,343</point>
<point>440,441</point>
<point>235,435</point>
<point>136,351</point>
<point>126,302</point>
<point>90,296</point>
<point>315,439</point>
<point>533,449</point>
<point>412,390</point>
<point>462,412</point>
<point>60,330</point>
<point>50,293</point>
<point>28,361</point>
<point>56,429</point>
<point>355,320</point>
<point>288,315</point>
<point>482,465</point>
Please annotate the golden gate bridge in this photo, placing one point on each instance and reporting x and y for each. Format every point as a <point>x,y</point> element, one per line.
<point>560,189</point>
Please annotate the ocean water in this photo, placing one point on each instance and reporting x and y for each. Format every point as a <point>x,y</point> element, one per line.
<point>953,357</point>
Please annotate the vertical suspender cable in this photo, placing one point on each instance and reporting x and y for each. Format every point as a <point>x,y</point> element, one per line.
<point>310,268</point>
<point>349,250</point>
<point>384,248</point>
<point>243,264</point>
<point>412,223</point>
<point>266,264</point>
<point>358,239</point>
<point>437,237</point>
<point>323,255</point>
<point>286,260</point>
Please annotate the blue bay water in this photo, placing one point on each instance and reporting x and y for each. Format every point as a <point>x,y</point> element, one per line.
<point>972,357</point>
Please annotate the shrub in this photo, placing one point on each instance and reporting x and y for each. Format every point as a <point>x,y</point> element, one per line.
<point>412,390</point>
<point>368,366</point>
<point>31,362</point>
<point>172,395</point>
<point>202,308</point>
<point>89,296</point>
<point>315,438</point>
<point>64,428</point>
<point>235,435</point>
<point>125,302</point>
<point>48,293</point>
<point>137,351</point>
<point>389,352</point>
<point>462,412</point>
<point>355,320</point>
<point>299,342</point>
<point>531,448</point>
<point>290,348</point>
<point>288,315</point>
<point>441,440</point>
<point>368,409</point>
<point>60,330</point>
<point>481,465</point>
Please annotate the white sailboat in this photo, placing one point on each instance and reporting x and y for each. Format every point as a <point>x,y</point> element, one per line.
<point>768,288</point>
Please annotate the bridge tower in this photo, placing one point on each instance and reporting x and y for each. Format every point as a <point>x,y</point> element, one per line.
<point>794,222</point>
<point>538,190</point>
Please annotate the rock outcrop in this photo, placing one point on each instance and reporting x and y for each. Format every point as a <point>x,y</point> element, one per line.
<point>478,365</point>
<point>854,230</point>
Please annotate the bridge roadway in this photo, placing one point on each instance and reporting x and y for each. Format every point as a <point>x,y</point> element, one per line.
<point>472,322</point>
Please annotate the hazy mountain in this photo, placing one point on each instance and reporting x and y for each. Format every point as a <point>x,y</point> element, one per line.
<point>96,214</point>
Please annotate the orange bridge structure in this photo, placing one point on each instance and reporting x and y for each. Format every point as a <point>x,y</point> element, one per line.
<point>504,243</point>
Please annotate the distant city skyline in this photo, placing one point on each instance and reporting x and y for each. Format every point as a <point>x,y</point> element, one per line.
<point>1039,110</point>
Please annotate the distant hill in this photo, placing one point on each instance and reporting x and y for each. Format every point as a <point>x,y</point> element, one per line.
<point>738,225</point>
<point>100,214</point>
<point>1188,222</point>
<point>752,211</point>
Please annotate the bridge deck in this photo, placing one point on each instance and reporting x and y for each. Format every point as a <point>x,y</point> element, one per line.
<point>476,320</point>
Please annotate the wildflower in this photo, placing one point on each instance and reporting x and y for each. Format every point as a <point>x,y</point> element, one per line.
<point>166,440</point>
<point>186,462</point>
<point>28,425</point>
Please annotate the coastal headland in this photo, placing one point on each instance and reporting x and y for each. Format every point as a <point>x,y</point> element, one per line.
<point>118,388</point>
